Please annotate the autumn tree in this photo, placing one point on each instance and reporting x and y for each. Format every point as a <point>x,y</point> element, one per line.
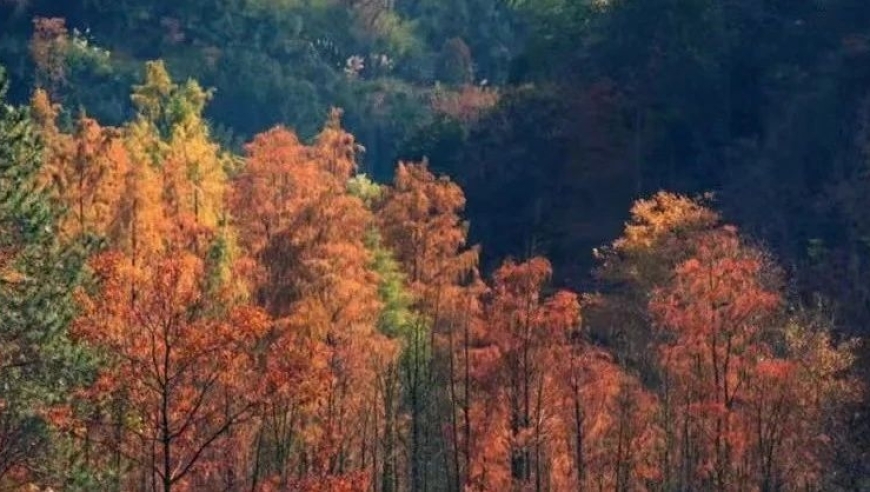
<point>186,380</point>
<point>266,198</point>
<point>192,166</point>
<point>606,418</point>
<point>277,175</point>
<point>714,327</point>
<point>162,178</point>
<point>800,402</point>
<point>85,169</point>
<point>150,190</point>
<point>657,237</point>
<point>139,225</point>
<point>523,326</point>
<point>313,272</point>
<point>714,312</point>
<point>419,220</point>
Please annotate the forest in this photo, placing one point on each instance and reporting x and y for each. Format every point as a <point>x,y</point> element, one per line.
<point>435,245</point>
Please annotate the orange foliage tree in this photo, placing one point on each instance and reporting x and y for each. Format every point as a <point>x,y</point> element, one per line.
<point>185,380</point>
<point>715,348</point>
<point>85,169</point>
<point>715,312</point>
<point>656,239</point>
<point>153,191</point>
<point>517,447</point>
<point>419,220</point>
<point>312,271</point>
<point>796,403</point>
<point>606,418</point>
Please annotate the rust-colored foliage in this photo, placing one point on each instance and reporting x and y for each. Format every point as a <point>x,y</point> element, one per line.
<point>714,312</point>
<point>85,170</point>
<point>657,238</point>
<point>420,222</point>
<point>517,447</point>
<point>336,149</point>
<point>312,271</point>
<point>793,420</point>
<point>419,219</point>
<point>606,420</point>
<point>277,176</point>
<point>698,310</point>
<point>184,380</point>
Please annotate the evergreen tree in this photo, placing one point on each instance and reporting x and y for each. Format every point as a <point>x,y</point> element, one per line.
<point>37,278</point>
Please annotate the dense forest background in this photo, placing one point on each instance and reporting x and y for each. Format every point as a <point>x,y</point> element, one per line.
<point>557,119</point>
<point>761,102</point>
